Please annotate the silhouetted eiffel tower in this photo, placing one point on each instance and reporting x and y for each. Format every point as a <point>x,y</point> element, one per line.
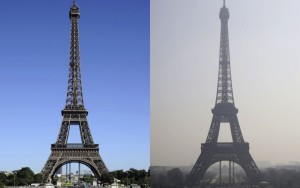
<point>224,111</point>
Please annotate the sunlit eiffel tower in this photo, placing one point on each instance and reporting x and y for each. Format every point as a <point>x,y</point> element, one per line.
<point>74,113</point>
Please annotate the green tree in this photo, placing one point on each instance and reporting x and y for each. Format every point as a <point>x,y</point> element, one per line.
<point>3,179</point>
<point>175,178</point>
<point>106,178</point>
<point>132,176</point>
<point>25,176</point>
<point>38,178</point>
<point>161,181</point>
<point>11,180</point>
<point>88,178</point>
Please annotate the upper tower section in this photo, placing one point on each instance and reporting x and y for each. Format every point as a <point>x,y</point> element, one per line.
<point>74,93</point>
<point>224,12</point>
<point>224,38</point>
<point>74,11</point>
<point>224,90</point>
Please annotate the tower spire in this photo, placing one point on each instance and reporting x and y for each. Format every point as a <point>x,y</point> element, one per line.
<point>74,99</point>
<point>224,89</point>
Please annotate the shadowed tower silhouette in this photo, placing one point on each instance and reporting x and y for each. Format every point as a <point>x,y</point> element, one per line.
<point>224,111</point>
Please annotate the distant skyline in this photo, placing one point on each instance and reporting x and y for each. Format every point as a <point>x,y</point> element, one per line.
<point>34,57</point>
<point>265,64</point>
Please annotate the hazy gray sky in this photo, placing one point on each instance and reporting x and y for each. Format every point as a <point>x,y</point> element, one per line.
<point>265,62</point>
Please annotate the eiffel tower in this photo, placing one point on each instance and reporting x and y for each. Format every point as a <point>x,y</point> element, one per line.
<point>74,113</point>
<point>224,111</point>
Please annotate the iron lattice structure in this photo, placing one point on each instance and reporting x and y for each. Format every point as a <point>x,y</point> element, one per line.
<point>224,111</point>
<point>74,113</point>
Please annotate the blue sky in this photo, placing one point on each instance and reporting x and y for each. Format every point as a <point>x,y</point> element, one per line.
<point>34,56</point>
